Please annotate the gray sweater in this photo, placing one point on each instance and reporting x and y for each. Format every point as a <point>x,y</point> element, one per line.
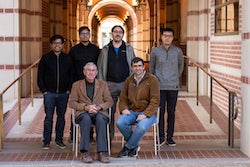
<point>167,66</point>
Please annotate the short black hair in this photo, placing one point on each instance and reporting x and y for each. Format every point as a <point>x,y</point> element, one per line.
<point>136,60</point>
<point>167,29</point>
<point>83,28</point>
<point>55,37</point>
<point>117,26</point>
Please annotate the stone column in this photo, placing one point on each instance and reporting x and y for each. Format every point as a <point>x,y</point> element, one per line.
<point>245,79</point>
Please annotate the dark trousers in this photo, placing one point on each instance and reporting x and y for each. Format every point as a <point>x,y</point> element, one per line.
<point>86,120</point>
<point>71,130</point>
<point>59,102</point>
<point>115,90</point>
<point>169,96</point>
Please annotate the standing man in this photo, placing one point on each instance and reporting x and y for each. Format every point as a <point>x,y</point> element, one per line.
<point>91,99</point>
<point>114,66</point>
<point>54,80</point>
<point>81,54</point>
<point>166,63</point>
<point>139,101</point>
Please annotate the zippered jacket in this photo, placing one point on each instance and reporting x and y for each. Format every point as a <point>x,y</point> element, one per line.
<point>55,73</point>
<point>167,66</point>
<point>102,62</point>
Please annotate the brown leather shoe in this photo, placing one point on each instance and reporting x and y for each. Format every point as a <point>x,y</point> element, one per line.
<point>87,158</point>
<point>103,157</point>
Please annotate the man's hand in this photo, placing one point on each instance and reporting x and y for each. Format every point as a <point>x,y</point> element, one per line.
<point>92,109</point>
<point>140,117</point>
<point>125,112</point>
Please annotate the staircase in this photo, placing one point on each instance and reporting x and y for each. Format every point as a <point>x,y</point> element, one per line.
<point>199,143</point>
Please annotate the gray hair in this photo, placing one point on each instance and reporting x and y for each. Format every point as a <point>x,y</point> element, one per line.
<point>88,64</point>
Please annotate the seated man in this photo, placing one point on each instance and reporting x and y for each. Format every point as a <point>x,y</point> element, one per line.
<point>139,101</point>
<point>91,99</point>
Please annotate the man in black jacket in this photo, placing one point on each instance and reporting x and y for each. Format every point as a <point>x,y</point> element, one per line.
<point>81,54</point>
<point>54,80</point>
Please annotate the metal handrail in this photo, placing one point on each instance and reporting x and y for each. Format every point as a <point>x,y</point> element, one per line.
<point>233,99</point>
<point>18,79</point>
<point>233,105</point>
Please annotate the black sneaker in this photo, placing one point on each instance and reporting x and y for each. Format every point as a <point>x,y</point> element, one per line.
<point>123,152</point>
<point>162,142</point>
<point>46,146</point>
<point>61,145</point>
<point>171,142</point>
<point>134,152</point>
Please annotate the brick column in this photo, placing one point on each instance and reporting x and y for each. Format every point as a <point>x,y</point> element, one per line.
<point>245,79</point>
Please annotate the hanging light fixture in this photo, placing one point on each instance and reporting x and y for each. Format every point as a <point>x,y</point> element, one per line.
<point>86,3</point>
<point>138,3</point>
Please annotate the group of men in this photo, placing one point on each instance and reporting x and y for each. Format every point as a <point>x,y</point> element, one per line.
<point>93,80</point>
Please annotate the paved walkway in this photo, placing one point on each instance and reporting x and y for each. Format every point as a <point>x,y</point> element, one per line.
<point>199,143</point>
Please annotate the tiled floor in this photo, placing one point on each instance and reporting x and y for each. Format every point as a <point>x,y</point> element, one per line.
<point>199,143</point>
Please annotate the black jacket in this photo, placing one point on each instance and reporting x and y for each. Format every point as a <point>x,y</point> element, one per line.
<point>81,55</point>
<point>48,79</point>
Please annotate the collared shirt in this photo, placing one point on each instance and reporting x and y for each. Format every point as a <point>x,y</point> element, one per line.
<point>139,80</point>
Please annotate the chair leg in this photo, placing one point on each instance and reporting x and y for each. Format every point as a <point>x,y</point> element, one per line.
<point>122,141</point>
<point>74,138</point>
<point>155,146</point>
<point>76,142</point>
<point>108,138</point>
<point>158,138</point>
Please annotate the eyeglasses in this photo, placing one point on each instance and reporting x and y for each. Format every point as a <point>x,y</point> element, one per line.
<point>118,32</point>
<point>84,33</point>
<point>56,43</point>
<point>167,36</point>
<point>91,70</point>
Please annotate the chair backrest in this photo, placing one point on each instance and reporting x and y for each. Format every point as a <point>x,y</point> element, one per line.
<point>73,111</point>
<point>109,111</point>
<point>157,115</point>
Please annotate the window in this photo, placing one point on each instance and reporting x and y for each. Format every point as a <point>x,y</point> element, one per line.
<point>226,16</point>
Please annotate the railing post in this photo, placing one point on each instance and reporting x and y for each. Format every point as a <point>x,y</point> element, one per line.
<point>1,122</point>
<point>211,99</point>
<point>232,119</point>
<point>229,118</point>
<point>197,88</point>
<point>32,86</point>
<point>19,101</point>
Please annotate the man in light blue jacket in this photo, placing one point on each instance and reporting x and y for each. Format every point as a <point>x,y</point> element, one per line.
<point>166,63</point>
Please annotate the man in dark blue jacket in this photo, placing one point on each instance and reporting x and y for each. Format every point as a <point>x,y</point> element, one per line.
<point>54,80</point>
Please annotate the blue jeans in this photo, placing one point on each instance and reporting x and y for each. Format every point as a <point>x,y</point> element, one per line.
<point>133,138</point>
<point>59,102</point>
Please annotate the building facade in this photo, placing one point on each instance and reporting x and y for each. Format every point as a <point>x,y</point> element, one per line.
<point>214,33</point>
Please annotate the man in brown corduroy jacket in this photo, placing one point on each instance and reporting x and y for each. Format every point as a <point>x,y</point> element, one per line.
<point>139,101</point>
<point>91,99</point>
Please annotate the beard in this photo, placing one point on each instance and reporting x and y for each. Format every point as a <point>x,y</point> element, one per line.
<point>117,39</point>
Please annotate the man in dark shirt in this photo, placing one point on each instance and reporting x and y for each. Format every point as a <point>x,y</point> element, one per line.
<point>54,80</point>
<point>114,66</point>
<point>81,54</point>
